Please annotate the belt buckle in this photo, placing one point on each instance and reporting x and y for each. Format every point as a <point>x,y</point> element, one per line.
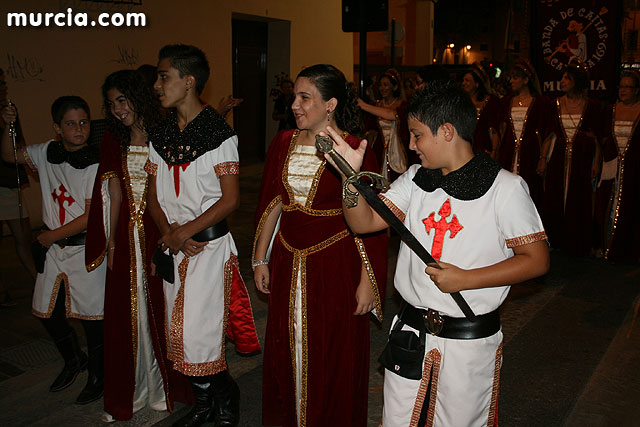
<point>433,321</point>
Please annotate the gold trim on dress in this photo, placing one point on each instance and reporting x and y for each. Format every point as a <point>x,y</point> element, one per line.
<point>621,160</point>
<point>568,151</point>
<point>372,277</point>
<point>52,298</point>
<point>518,140</point>
<point>493,408</point>
<point>100,258</point>
<point>263,218</point>
<point>430,374</point>
<point>525,240</point>
<point>312,212</point>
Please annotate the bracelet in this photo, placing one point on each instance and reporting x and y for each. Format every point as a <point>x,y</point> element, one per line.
<point>257,262</point>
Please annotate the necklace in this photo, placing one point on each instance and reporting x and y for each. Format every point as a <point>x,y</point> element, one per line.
<point>523,100</point>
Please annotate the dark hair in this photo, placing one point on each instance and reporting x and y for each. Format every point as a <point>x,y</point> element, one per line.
<point>188,60</point>
<point>286,81</point>
<point>433,72</point>
<point>441,102</point>
<point>149,72</point>
<point>580,77</point>
<point>331,83</point>
<point>140,98</point>
<point>632,75</point>
<point>523,68</point>
<point>65,103</point>
<point>482,89</point>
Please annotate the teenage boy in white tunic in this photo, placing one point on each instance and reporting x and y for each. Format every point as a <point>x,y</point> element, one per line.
<point>479,222</point>
<point>193,186</point>
<point>66,168</point>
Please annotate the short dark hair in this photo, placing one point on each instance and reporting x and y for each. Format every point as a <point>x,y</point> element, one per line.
<point>65,103</point>
<point>441,102</point>
<point>188,60</point>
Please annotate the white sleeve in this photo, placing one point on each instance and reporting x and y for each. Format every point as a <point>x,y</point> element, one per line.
<point>398,196</point>
<point>226,160</point>
<point>518,218</point>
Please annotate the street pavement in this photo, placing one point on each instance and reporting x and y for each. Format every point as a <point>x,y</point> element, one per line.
<point>570,356</point>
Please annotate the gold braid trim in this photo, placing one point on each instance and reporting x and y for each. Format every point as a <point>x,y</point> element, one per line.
<point>263,219</point>
<point>312,212</point>
<point>430,373</point>
<point>493,409</point>
<point>525,240</point>
<point>52,300</point>
<point>96,262</point>
<point>372,277</point>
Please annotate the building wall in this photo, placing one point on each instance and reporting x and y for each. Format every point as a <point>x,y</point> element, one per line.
<point>45,62</point>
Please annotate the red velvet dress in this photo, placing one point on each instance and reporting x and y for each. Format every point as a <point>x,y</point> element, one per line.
<point>120,305</point>
<point>568,184</point>
<point>314,241</point>
<point>527,147</point>
<point>485,121</point>
<point>622,241</point>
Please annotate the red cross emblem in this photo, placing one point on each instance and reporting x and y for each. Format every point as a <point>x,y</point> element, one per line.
<point>176,175</point>
<point>441,228</point>
<point>60,198</point>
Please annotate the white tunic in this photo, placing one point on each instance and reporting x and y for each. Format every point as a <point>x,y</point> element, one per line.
<point>197,303</point>
<point>65,191</point>
<point>468,234</point>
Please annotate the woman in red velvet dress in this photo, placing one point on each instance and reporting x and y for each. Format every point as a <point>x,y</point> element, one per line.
<point>621,174</point>
<point>572,152</point>
<point>521,122</point>
<point>137,372</point>
<point>321,279</point>
<point>477,84</point>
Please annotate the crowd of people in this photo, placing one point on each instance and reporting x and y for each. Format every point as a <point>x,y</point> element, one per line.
<point>136,243</point>
<point>571,151</point>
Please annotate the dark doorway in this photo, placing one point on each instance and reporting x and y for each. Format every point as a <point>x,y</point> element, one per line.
<point>249,43</point>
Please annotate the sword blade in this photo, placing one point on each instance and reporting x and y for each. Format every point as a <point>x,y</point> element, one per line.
<point>407,237</point>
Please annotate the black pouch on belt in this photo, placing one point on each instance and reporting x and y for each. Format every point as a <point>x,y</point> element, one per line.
<point>164,265</point>
<point>39,254</point>
<point>404,353</point>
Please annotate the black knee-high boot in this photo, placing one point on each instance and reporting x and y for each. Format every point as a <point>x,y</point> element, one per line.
<point>202,410</point>
<point>95,380</point>
<point>66,341</point>
<point>226,396</point>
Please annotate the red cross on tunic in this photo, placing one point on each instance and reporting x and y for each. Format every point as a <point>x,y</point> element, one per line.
<point>441,228</point>
<point>60,198</point>
<point>176,175</point>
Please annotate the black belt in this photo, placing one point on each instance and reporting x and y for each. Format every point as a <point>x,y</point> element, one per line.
<point>458,328</point>
<point>212,233</point>
<point>75,240</point>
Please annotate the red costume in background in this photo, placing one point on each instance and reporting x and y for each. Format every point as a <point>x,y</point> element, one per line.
<point>120,305</point>
<point>521,155</point>
<point>314,241</point>
<point>568,183</point>
<point>485,122</point>
<point>622,240</point>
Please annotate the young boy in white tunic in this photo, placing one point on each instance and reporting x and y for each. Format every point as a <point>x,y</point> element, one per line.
<point>66,168</point>
<point>193,186</point>
<point>479,222</point>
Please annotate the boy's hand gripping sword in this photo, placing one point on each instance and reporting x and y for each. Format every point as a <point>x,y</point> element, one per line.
<point>14,135</point>
<point>324,144</point>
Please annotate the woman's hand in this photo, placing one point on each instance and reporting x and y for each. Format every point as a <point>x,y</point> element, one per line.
<point>9,114</point>
<point>261,278</point>
<point>364,297</point>
<point>448,278</point>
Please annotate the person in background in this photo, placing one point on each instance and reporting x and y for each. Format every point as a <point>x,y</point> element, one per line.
<point>282,107</point>
<point>477,84</point>
<point>17,221</point>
